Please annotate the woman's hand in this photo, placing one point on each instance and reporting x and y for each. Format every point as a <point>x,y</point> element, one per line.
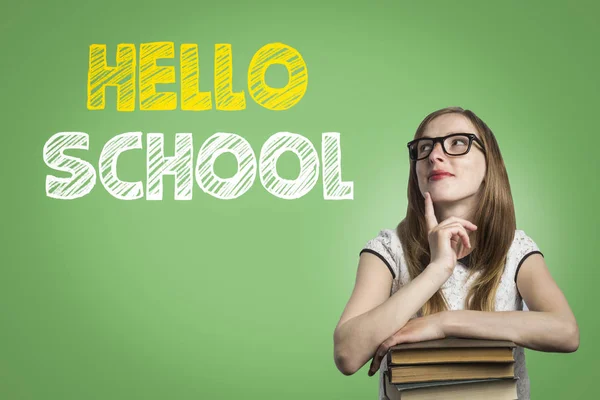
<point>415,330</point>
<point>445,237</point>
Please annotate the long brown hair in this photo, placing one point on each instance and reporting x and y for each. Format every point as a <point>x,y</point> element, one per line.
<point>494,217</point>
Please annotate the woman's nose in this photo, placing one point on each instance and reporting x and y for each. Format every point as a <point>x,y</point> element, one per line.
<point>437,151</point>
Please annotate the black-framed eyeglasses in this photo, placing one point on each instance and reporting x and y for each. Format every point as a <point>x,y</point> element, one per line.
<point>455,144</point>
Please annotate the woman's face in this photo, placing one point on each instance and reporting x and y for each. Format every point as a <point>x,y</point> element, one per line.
<point>467,171</point>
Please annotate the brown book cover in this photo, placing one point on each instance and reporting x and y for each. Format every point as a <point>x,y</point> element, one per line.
<point>454,342</point>
<point>504,389</point>
<point>440,372</point>
<point>451,350</point>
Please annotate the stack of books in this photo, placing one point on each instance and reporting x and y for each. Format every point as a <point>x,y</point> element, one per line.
<point>452,368</point>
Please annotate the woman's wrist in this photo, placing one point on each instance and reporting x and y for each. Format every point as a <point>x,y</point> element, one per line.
<point>443,317</point>
<point>441,271</point>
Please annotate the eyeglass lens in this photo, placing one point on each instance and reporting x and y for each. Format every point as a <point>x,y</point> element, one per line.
<point>454,145</point>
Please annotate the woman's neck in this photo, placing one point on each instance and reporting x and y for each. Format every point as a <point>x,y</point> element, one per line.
<point>463,208</point>
<point>444,211</point>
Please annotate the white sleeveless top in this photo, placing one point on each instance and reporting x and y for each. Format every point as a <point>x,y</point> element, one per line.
<point>388,248</point>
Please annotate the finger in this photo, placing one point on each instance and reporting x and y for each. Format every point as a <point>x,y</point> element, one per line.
<point>460,231</point>
<point>370,372</point>
<point>430,218</point>
<point>456,233</point>
<point>399,337</point>
<point>459,234</point>
<point>379,354</point>
<point>373,369</point>
<point>467,224</point>
<point>411,338</point>
<point>374,366</point>
<point>457,247</point>
<point>374,363</point>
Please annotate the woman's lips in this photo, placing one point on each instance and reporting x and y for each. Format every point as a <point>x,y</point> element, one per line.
<point>437,177</point>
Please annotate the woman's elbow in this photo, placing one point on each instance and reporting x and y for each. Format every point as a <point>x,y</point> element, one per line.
<point>343,361</point>
<point>344,364</point>
<point>567,339</point>
<point>572,338</point>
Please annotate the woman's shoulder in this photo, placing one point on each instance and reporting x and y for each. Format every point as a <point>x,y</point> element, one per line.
<point>386,245</point>
<point>389,237</point>
<point>522,244</point>
<point>522,247</point>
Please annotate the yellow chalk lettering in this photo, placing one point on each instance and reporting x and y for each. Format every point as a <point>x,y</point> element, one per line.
<point>277,98</point>
<point>225,97</point>
<point>122,76</point>
<point>151,74</point>
<point>191,98</point>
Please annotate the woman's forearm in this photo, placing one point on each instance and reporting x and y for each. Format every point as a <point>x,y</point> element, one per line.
<point>536,330</point>
<point>357,339</point>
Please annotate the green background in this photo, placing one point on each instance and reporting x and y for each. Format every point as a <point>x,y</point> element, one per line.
<point>108,299</point>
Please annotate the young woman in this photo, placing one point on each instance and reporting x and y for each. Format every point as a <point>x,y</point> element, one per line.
<point>456,265</point>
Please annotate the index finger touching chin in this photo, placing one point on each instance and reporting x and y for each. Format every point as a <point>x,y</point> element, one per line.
<point>430,218</point>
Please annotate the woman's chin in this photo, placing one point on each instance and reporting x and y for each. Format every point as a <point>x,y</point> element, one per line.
<point>439,196</point>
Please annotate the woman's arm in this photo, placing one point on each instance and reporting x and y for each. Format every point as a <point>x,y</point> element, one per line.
<point>549,325</point>
<point>543,331</point>
<point>372,315</point>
